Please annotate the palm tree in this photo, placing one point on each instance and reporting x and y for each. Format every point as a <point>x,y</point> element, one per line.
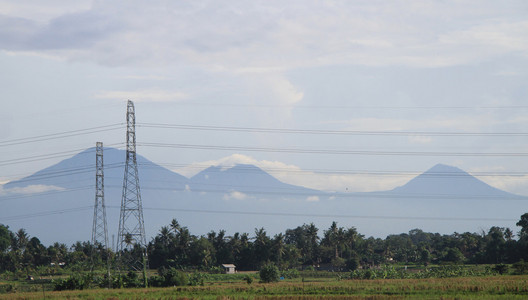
<point>175,226</point>
<point>313,238</point>
<point>278,247</point>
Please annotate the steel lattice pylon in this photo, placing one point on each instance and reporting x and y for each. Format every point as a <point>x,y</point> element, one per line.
<point>99,229</point>
<point>131,240</point>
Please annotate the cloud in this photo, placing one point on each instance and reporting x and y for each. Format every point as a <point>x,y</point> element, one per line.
<point>35,10</point>
<point>326,180</point>
<point>261,35</point>
<point>33,189</point>
<point>235,195</point>
<point>313,199</point>
<point>153,95</point>
<point>231,161</point>
<point>469,122</point>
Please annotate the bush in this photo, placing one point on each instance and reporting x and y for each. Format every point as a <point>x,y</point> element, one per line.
<point>74,282</point>
<point>171,277</point>
<point>269,273</point>
<point>500,268</point>
<point>520,267</point>
<point>248,279</point>
<point>7,288</point>
<point>290,274</point>
<point>353,263</point>
<point>131,280</point>
<point>197,279</point>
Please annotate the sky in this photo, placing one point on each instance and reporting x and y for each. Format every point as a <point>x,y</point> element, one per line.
<point>332,95</point>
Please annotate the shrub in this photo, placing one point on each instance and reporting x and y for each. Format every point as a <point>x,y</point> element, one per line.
<point>520,267</point>
<point>500,268</point>
<point>309,268</point>
<point>248,279</point>
<point>269,273</point>
<point>74,282</point>
<point>172,277</point>
<point>353,263</point>
<point>290,274</point>
<point>197,279</point>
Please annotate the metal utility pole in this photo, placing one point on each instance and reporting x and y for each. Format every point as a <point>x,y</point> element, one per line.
<point>99,229</point>
<point>131,235</point>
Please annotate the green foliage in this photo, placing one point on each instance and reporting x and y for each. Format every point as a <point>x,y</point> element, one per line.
<point>389,272</point>
<point>197,278</point>
<point>248,279</point>
<point>352,263</point>
<point>169,277</point>
<point>520,267</point>
<point>6,238</point>
<point>74,282</point>
<point>269,273</point>
<point>290,274</point>
<point>7,288</point>
<point>501,268</point>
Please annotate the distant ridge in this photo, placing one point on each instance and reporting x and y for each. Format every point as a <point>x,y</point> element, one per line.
<point>243,197</point>
<point>79,170</point>
<point>243,178</point>
<point>449,181</point>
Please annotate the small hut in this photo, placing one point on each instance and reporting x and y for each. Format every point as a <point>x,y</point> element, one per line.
<point>229,268</point>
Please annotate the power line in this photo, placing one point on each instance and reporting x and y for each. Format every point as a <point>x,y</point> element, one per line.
<point>53,192</point>
<point>49,156</point>
<point>294,191</point>
<point>47,213</point>
<point>357,107</point>
<point>277,214</point>
<point>330,151</point>
<point>63,172</point>
<point>60,135</point>
<point>284,214</point>
<point>323,131</point>
<point>242,169</point>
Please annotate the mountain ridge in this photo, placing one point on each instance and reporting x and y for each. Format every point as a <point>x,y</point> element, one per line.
<point>448,180</point>
<point>238,198</point>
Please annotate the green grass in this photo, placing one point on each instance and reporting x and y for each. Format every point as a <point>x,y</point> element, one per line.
<point>490,287</point>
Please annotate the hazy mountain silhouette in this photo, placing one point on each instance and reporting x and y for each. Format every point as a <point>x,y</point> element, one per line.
<point>244,197</point>
<point>79,171</point>
<point>448,181</point>
<point>244,178</point>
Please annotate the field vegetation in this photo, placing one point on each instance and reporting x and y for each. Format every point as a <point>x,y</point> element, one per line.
<point>299,263</point>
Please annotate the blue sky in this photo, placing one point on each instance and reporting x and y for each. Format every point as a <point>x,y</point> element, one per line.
<point>368,66</point>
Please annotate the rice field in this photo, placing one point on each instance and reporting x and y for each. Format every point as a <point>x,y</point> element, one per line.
<point>491,287</point>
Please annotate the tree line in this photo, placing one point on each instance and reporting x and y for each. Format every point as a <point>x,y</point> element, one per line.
<point>306,246</point>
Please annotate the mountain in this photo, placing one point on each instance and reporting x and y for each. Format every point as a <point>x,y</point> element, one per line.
<point>79,171</point>
<point>448,181</point>
<point>56,203</point>
<point>244,178</point>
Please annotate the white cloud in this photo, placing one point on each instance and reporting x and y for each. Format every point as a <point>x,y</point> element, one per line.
<point>263,35</point>
<point>33,189</point>
<point>325,180</point>
<point>42,12</point>
<point>235,195</point>
<point>468,122</point>
<point>153,95</point>
<point>313,199</point>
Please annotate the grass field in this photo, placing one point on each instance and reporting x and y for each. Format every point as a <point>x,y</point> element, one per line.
<point>491,287</point>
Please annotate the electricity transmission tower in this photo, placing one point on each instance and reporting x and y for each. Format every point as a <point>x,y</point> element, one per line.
<point>99,229</point>
<point>131,240</point>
